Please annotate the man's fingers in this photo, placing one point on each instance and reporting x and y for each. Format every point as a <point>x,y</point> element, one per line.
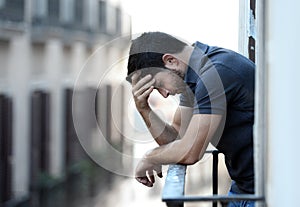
<point>151,176</point>
<point>158,170</point>
<point>146,93</point>
<point>145,181</point>
<point>141,91</point>
<point>134,77</point>
<point>160,174</point>
<point>145,81</point>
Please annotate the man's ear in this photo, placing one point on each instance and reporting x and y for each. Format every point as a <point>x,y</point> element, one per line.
<point>170,61</point>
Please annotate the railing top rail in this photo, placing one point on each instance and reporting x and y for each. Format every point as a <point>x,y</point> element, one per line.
<point>173,191</point>
<point>221,198</point>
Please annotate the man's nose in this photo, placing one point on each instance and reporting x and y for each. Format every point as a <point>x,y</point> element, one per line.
<point>163,92</point>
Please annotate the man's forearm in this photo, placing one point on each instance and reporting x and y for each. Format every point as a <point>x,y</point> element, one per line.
<point>172,153</point>
<point>162,132</point>
<point>191,147</point>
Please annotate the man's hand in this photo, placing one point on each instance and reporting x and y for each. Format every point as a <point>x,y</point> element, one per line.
<point>145,172</point>
<point>141,90</point>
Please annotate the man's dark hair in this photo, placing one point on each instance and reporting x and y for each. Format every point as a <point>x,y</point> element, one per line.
<point>147,50</point>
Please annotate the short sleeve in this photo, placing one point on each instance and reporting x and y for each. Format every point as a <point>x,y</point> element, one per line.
<point>210,91</point>
<point>210,97</point>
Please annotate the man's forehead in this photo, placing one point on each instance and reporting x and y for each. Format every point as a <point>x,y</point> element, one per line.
<point>143,72</point>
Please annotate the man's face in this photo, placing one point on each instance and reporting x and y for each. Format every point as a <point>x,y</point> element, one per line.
<point>169,83</point>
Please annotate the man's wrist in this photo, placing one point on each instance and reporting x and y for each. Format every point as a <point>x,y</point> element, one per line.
<point>145,111</point>
<point>152,156</point>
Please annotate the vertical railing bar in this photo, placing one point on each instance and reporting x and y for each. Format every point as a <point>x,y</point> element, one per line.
<point>215,175</point>
<point>260,132</point>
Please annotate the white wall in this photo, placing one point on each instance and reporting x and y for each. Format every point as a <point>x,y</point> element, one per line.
<point>282,54</point>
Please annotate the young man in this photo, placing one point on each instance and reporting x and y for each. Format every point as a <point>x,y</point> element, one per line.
<point>216,88</point>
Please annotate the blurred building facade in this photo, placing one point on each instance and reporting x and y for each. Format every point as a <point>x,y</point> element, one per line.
<point>44,45</point>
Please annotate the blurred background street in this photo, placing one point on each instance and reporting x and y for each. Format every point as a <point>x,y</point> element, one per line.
<point>69,131</point>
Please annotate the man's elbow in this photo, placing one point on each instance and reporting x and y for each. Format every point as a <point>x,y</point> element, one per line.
<point>189,160</point>
<point>187,154</point>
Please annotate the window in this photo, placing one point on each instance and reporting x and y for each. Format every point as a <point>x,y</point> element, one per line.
<point>111,19</point>
<point>4,46</point>
<point>102,16</point>
<point>40,135</point>
<point>118,21</point>
<point>67,11</point>
<point>6,112</point>
<point>12,10</point>
<point>53,11</point>
<point>79,11</point>
<point>74,150</point>
<point>40,9</point>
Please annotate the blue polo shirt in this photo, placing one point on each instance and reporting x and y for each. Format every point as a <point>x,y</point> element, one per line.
<point>221,81</point>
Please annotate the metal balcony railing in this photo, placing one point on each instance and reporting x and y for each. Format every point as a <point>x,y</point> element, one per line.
<point>173,192</point>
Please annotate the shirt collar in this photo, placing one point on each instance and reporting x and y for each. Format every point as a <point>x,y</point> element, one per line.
<point>199,51</point>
